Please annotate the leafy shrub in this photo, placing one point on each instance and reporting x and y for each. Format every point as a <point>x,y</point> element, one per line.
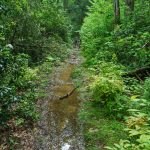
<point>16,87</point>
<point>137,127</point>
<point>147,89</point>
<point>108,89</point>
<point>139,134</point>
<point>128,47</point>
<point>96,27</point>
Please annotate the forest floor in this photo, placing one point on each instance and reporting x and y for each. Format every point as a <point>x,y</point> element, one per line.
<point>58,127</point>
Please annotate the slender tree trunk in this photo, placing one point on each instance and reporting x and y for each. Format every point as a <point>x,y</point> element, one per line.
<point>130,4</point>
<point>65,3</point>
<point>117,11</point>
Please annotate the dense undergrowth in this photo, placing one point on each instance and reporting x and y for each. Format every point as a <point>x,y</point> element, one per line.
<point>34,36</point>
<point>116,109</point>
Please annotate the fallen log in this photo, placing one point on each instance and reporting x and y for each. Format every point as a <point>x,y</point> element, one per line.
<point>71,92</point>
<point>68,94</point>
<point>140,73</point>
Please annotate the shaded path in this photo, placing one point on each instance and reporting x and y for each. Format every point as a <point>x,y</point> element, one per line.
<point>58,127</point>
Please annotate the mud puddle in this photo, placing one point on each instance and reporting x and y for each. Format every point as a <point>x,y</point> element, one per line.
<point>59,127</point>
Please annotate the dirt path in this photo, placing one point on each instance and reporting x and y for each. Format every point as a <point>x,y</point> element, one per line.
<point>58,127</point>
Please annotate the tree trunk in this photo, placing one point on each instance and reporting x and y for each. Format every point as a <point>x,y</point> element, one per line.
<point>140,73</point>
<point>65,3</point>
<point>130,4</point>
<point>117,11</point>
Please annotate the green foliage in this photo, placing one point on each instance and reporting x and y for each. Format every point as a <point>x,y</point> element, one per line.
<point>98,129</point>
<point>17,87</point>
<point>138,130</point>
<point>128,47</point>
<point>96,27</point>
<point>101,41</point>
<point>110,50</point>
<point>147,89</point>
<point>108,89</point>
<point>32,26</point>
<point>137,123</point>
<point>31,33</point>
<point>77,11</point>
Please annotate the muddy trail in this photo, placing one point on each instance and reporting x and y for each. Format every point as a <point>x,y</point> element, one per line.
<point>58,127</point>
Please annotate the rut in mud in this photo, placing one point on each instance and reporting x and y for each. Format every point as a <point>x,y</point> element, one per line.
<point>59,127</point>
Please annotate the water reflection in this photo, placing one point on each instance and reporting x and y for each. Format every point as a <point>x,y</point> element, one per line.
<point>62,120</point>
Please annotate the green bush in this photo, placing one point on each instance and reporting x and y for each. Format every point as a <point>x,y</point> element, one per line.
<point>147,89</point>
<point>96,28</point>
<point>137,124</point>
<point>138,130</point>
<point>108,89</point>
<point>16,88</point>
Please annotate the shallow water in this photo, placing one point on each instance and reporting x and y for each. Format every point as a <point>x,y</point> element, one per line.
<point>59,127</point>
<point>63,119</point>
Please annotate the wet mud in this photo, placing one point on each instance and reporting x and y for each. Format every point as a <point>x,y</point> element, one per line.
<point>59,127</point>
